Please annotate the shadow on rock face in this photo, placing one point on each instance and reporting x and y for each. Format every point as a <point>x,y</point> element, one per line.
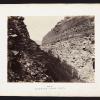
<point>60,70</point>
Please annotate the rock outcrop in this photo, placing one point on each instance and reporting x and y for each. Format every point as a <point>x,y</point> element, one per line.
<point>27,62</point>
<point>72,40</point>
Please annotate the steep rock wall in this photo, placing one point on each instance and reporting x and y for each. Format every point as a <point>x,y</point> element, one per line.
<point>72,40</point>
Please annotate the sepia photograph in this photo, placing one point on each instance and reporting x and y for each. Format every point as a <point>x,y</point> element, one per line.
<point>51,49</point>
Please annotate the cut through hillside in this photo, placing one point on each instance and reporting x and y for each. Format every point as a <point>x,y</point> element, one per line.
<point>28,63</point>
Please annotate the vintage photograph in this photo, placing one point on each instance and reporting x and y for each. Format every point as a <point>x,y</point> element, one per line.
<point>51,49</point>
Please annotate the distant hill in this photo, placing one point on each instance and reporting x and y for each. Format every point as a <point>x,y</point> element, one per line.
<point>38,42</point>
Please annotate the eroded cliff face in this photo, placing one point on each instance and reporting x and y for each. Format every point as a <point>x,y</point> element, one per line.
<point>72,40</point>
<point>27,62</point>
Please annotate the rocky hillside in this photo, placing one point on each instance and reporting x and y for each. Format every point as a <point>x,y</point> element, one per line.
<point>27,62</point>
<point>72,40</point>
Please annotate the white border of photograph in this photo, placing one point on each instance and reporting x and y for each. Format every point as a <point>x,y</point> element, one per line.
<point>47,89</point>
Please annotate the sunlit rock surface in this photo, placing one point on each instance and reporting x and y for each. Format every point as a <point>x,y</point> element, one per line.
<point>72,40</point>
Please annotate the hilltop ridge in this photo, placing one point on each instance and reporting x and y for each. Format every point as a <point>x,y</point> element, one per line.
<point>68,28</point>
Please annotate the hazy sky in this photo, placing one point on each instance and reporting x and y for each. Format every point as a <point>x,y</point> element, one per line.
<point>39,26</point>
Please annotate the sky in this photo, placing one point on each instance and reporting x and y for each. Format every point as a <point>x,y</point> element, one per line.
<point>39,26</point>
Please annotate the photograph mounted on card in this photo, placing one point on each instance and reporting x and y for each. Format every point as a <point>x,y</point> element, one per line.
<point>49,49</point>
